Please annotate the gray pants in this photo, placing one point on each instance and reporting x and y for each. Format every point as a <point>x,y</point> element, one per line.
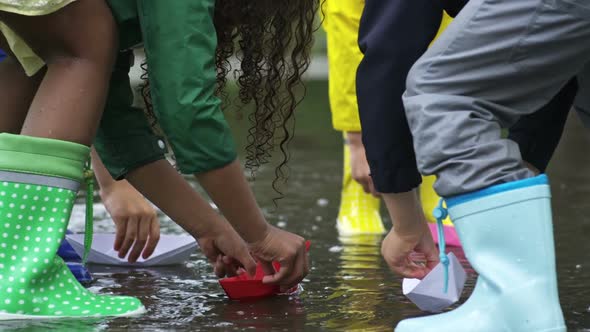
<point>499,60</point>
<point>582,101</point>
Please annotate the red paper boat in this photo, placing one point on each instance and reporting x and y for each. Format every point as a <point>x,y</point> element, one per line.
<point>244,287</point>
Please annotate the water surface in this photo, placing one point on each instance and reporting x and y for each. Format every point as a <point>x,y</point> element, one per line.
<point>349,287</point>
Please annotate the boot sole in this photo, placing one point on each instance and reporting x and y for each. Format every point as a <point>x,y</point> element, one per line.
<point>556,329</point>
<point>6,316</point>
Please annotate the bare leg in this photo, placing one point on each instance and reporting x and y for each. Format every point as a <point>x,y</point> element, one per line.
<point>78,44</point>
<point>19,90</point>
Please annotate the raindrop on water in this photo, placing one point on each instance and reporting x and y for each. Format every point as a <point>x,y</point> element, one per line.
<point>323,202</point>
<point>335,249</point>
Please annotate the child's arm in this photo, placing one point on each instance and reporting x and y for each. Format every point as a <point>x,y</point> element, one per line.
<point>228,188</point>
<point>135,219</point>
<point>385,29</point>
<point>381,79</point>
<point>126,142</point>
<point>359,166</point>
<point>341,23</point>
<point>162,185</point>
<point>167,189</point>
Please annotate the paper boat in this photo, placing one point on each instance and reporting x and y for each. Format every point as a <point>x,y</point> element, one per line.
<point>451,237</point>
<point>428,294</point>
<point>171,249</point>
<point>245,287</point>
<point>80,272</point>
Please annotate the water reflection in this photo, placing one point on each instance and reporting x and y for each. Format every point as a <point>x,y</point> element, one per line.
<point>283,312</point>
<point>66,325</point>
<point>359,291</point>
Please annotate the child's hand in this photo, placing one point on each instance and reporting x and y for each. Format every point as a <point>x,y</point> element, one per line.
<point>286,248</point>
<point>410,254</point>
<point>359,167</point>
<point>226,250</point>
<point>135,219</point>
<point>410,239</point>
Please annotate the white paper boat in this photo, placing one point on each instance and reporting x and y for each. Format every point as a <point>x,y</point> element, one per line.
<point>428,294</point>
<point>171,249</point>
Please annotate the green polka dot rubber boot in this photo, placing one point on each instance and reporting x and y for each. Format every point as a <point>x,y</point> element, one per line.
<point>39,179</point>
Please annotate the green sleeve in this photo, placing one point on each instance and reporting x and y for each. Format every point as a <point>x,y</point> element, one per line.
<point>180,42</point>
<point>125,139</point>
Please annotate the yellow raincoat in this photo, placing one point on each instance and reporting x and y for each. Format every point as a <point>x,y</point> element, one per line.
<point>359,212</point>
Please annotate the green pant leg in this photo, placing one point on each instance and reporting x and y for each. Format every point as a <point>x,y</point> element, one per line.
<point>180,42</point>
<point>125,139</point>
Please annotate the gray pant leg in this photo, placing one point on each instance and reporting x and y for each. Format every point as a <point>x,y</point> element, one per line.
<point>499,60</point>
<point>582,101</point>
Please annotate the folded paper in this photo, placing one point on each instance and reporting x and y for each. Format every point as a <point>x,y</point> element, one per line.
<point>428,294</point>
<point>171,250</point>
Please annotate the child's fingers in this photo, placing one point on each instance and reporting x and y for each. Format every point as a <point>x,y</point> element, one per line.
<point>121,226</point>
<point>153,239</point>
<point>219,267</point>
<point>372,189</point>
<point>231,266</point>
<point>402,265</point>
<point>432,259</point>
<point>365,185</point>
<point>143,231</point>
<point>130,234</point>
<point>298,272</point>
<point>282,275</point>
<point>412,269</point>
<point>209,249</point>
<point>247,262</point>
<point>267,268</point>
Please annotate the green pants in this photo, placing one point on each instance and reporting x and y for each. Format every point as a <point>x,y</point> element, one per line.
<point>180,41</point>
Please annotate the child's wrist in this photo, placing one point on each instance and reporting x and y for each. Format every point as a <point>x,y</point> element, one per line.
<point>354,138</point>
<point>256,234</point>
<point>406,211</point>
<point>105,190</point>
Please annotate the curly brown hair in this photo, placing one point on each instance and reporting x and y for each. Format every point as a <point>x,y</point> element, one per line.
<point>271,40</point>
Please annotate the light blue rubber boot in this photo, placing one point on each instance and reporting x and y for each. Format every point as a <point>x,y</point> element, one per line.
<point>507,235</point>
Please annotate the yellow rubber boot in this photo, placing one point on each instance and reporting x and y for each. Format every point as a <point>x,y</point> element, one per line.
<point>359,211</point>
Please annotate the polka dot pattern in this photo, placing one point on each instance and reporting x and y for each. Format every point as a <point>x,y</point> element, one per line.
<point>33,279</point>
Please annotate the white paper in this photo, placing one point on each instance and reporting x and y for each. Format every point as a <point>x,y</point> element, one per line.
<point>171,249</point>
<point>428,294</point>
